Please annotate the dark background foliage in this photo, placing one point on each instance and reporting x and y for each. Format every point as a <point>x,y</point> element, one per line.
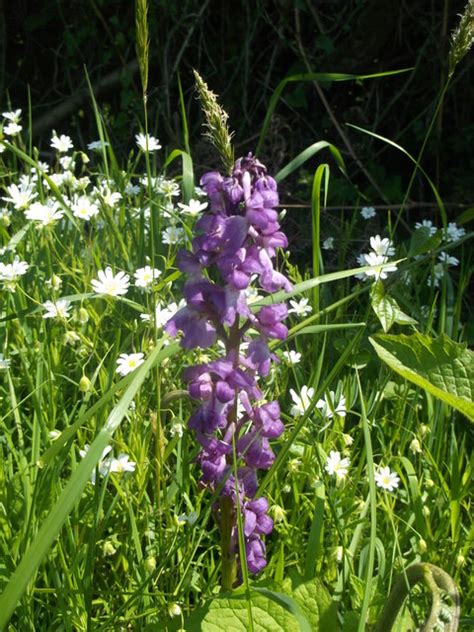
<point>243,50</point>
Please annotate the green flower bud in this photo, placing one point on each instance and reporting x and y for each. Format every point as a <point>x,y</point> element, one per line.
<point>84,384</point>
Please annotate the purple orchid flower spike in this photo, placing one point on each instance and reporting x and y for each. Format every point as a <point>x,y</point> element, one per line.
<point>232,251</point>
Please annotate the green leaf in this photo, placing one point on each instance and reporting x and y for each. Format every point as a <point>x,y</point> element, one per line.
<point>295,606</point>
<point>230,613</point>
<point>441,366</point>
<point>317,605</point>
<point>386,308</point>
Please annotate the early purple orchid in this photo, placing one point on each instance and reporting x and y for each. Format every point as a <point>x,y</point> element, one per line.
<point>234,246</point>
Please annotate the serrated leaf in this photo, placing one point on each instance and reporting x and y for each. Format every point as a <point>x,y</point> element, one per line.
<point>317,605</point>
<point>441,366</point>
<point>294,606</point>
<point>387,309</point>
<point>231,613</point>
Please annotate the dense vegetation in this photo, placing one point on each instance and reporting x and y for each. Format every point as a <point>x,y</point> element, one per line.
<point>324,313</point>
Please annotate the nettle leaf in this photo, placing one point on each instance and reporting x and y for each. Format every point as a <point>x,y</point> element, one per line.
<point>291,607</point>
<point>441,366</point>
<point>387,309</point>
<point>231,613</point>
<point>317,605</point>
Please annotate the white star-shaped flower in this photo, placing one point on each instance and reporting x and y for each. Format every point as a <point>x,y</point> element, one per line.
<point>172,235</point>
<point>302,400</point>
<point>300,308</point>
<point>367,212</point>
<point>335,466</point>
<point>110,283</point>
<point>45,214</point>
<point>121,464</point>
<point>144,277</point>
<point>193,207</point>
<point>13,116</point>
<point>386,479</point>
<point>427,225</point>
<point>62,144</point>
<point>382,246</point>
<point>20,196</point>
<point>57,309</point>
<point>128,362</point>
<point>84,209</point>
<point>147,143</point>
<point>292,357</point>
<point>12,129</point>
<point>372,259</point>
<point>328,405</point>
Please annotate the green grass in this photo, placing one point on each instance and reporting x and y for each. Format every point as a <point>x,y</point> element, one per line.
<point>122,553</point>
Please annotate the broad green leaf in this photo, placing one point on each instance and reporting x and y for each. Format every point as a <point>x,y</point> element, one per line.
<point>441,366</point>
<point>231,613</point>
<point>317,605</point>
<point>293,607</point>
<point>386,308</point>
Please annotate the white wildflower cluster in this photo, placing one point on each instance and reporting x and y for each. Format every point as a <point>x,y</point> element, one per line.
<point>108,465</point>
<point>11,123</point>
<point>10,273</point>
<point>66,199</point>
<point>163,313</point>
<point>439,270</point>
<point>381,250</point>
<point>327,406</point>
<point>451,234</point>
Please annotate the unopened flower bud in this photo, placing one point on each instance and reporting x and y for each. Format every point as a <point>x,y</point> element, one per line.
<point>83,315</point>
<point>293,465</point>
<point>108,548</point>
<point>338,554</point>
<point>424,430</point>
<point>278,513</point>
<point>150,563</point>
<point>429,483</point>
<point>422,546</point>
<point>174,610</point>
<point>70,338</point>
<point>5,219</point>
<point>415,446</point>
<point>54,282</point>
<point>348,440</point>
<point>426,511</point>
<point>84,384</point>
